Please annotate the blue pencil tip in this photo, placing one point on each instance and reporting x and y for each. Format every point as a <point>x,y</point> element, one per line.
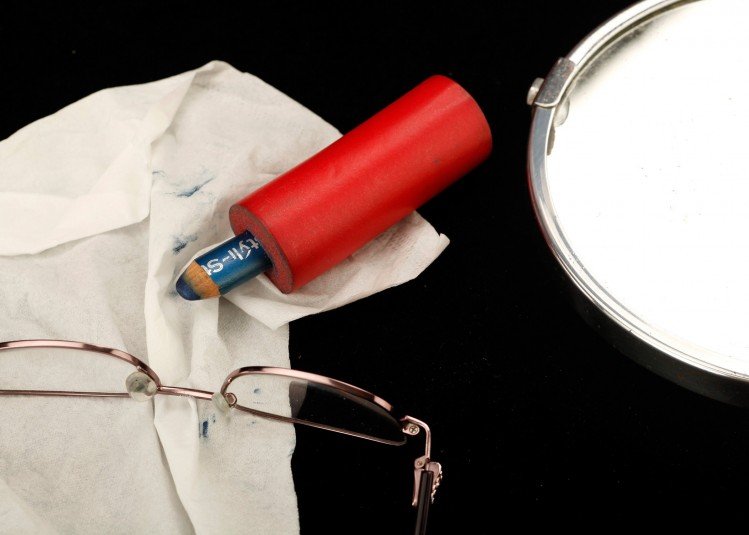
<point>185,290</point>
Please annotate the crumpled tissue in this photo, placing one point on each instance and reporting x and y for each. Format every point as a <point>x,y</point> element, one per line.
<point>102,205</point>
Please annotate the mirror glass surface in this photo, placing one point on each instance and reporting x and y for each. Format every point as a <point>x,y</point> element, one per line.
<point>648,179</point>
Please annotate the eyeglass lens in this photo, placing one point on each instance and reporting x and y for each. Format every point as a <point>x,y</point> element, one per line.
<point>315,403</point>
<point>62,369</point>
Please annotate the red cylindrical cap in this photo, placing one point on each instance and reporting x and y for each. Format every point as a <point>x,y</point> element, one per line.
<point>313,216</point>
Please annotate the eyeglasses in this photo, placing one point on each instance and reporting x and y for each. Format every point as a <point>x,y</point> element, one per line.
<point>280,394</point>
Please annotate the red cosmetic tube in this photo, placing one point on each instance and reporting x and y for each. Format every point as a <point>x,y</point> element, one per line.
<point>318,213</point>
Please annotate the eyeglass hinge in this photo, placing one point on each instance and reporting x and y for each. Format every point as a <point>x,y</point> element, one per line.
<point>421,465</point>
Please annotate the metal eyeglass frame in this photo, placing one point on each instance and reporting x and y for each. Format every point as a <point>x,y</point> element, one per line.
<point>143,384</point>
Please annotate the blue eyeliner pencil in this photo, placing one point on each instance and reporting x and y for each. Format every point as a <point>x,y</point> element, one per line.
<point>223,268</point>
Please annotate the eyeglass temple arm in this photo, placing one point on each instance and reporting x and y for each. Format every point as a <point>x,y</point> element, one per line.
<point>425,497</point>
<point>427,473</point>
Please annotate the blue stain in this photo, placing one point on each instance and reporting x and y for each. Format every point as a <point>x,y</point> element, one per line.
<point>181,242</point>
<point>204,426</point>
<point>193,190</point>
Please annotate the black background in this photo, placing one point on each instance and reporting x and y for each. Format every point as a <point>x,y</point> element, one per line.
<point>538,422</point>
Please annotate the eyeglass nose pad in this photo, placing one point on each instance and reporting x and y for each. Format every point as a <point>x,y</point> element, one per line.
<point>224,403</point>
<point>140,386</point>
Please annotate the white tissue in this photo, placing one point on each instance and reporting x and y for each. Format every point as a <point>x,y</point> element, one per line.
<point>101,207</point>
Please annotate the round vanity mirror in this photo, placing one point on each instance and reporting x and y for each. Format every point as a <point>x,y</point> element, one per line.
<point>639,176</point>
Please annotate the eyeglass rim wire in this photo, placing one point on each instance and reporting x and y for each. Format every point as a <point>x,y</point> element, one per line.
<point>409,425</point>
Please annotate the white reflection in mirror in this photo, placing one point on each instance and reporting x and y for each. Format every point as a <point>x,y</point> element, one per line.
<point>649,176</point>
